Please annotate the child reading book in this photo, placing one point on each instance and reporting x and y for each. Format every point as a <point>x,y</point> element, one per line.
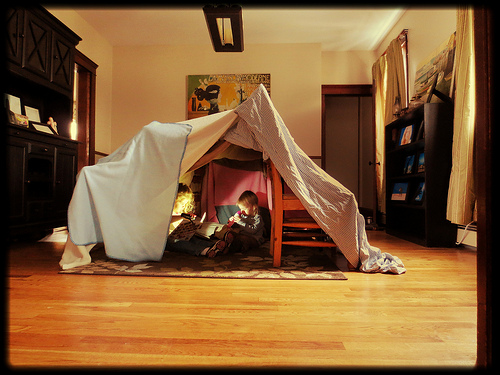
<point>247,225</point>
<point>181,215</point>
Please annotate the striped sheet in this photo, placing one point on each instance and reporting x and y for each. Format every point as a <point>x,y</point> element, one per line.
<point>332,205</point>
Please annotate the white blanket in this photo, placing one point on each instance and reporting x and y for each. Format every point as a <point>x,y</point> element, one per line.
<point>122,201</point>
<point>126,199</point>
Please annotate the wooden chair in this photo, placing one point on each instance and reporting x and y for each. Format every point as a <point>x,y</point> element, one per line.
<point>298,231</point>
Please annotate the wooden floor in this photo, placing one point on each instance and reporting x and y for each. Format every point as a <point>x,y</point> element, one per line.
<point>426,317</point>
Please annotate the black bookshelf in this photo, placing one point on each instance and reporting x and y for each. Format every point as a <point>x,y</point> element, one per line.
<point>418,164</point>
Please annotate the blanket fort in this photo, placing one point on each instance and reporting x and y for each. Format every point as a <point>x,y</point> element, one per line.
<point>126,199</point>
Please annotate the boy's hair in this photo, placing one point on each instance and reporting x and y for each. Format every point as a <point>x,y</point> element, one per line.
<point>185,193</point>
<point>250,198</point>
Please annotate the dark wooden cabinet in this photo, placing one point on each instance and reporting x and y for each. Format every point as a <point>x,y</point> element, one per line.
<point>41,171</point>
<point>41,168</point>
<point>16,158</point>
<point>14,27</point>
<point>36,40</point>
<point>418,166</point>
<point>64,178</point>
<point>40,48</point>
<point>63,61</point>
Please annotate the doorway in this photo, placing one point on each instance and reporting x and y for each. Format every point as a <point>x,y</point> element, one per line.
<point>348,142</point>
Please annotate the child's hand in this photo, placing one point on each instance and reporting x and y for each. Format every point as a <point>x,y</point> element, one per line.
<point>235,218</point>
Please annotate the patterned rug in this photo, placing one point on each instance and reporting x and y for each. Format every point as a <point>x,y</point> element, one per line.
<point>297,263</point>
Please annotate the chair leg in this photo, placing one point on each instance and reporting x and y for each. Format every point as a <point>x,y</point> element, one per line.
<point>273,235</point>
<point>277,216</point>
<point>277,253</point>
<point>277,238</point>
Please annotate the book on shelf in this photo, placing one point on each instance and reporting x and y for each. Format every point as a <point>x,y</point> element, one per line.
<point>421,162</point>
<point>410,161</point>
<point>419,195</point>
<point>399,191</point>
<point>406,135</point>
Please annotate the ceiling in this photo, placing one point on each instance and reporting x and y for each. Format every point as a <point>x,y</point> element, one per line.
<point>336,28</point>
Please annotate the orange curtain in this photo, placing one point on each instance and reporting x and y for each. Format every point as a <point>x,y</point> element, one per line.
<point>389,79</point>
<point>461,197</point>
<point>379,73</point>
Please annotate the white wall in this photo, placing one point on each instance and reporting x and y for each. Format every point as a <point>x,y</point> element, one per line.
<point>347,67</point>
<point>136,85</point>
<point>150,83</point>
<point>427,29</point>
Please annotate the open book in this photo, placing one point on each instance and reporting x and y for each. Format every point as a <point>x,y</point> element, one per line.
<point>186,229</point>
<point>189,227</point>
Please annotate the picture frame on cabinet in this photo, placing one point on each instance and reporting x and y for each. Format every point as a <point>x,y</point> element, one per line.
<point>44,128</point>
<point>13,109</point>
<point>32,113</point>
<point>12,103</point>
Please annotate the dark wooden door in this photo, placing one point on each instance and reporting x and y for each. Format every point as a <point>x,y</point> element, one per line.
<point>348,144</point>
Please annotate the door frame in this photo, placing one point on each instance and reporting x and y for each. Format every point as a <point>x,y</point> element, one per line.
<point>86,109</point>
<point>484,134</point>
<point>344,91</point>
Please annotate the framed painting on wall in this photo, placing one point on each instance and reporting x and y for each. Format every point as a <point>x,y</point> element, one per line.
<point>440,64</point>
<point>214,93</point>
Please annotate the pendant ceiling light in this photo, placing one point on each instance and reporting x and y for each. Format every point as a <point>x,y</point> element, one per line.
<point>225,25</point>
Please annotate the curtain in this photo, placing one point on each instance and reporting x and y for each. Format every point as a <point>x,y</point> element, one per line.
<point>379,70</point>
<point>396,79</point>
<point>461,198</point>
<point>389,79</point>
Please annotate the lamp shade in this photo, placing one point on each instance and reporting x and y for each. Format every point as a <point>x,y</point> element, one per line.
<point>225,25</point>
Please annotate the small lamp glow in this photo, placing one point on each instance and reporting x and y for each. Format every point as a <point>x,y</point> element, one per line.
<point>225,31</point>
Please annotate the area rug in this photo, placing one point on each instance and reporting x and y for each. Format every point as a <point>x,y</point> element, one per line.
<point>297,263</point>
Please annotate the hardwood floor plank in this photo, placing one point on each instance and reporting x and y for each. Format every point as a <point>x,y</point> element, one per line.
<point>426,317</point>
